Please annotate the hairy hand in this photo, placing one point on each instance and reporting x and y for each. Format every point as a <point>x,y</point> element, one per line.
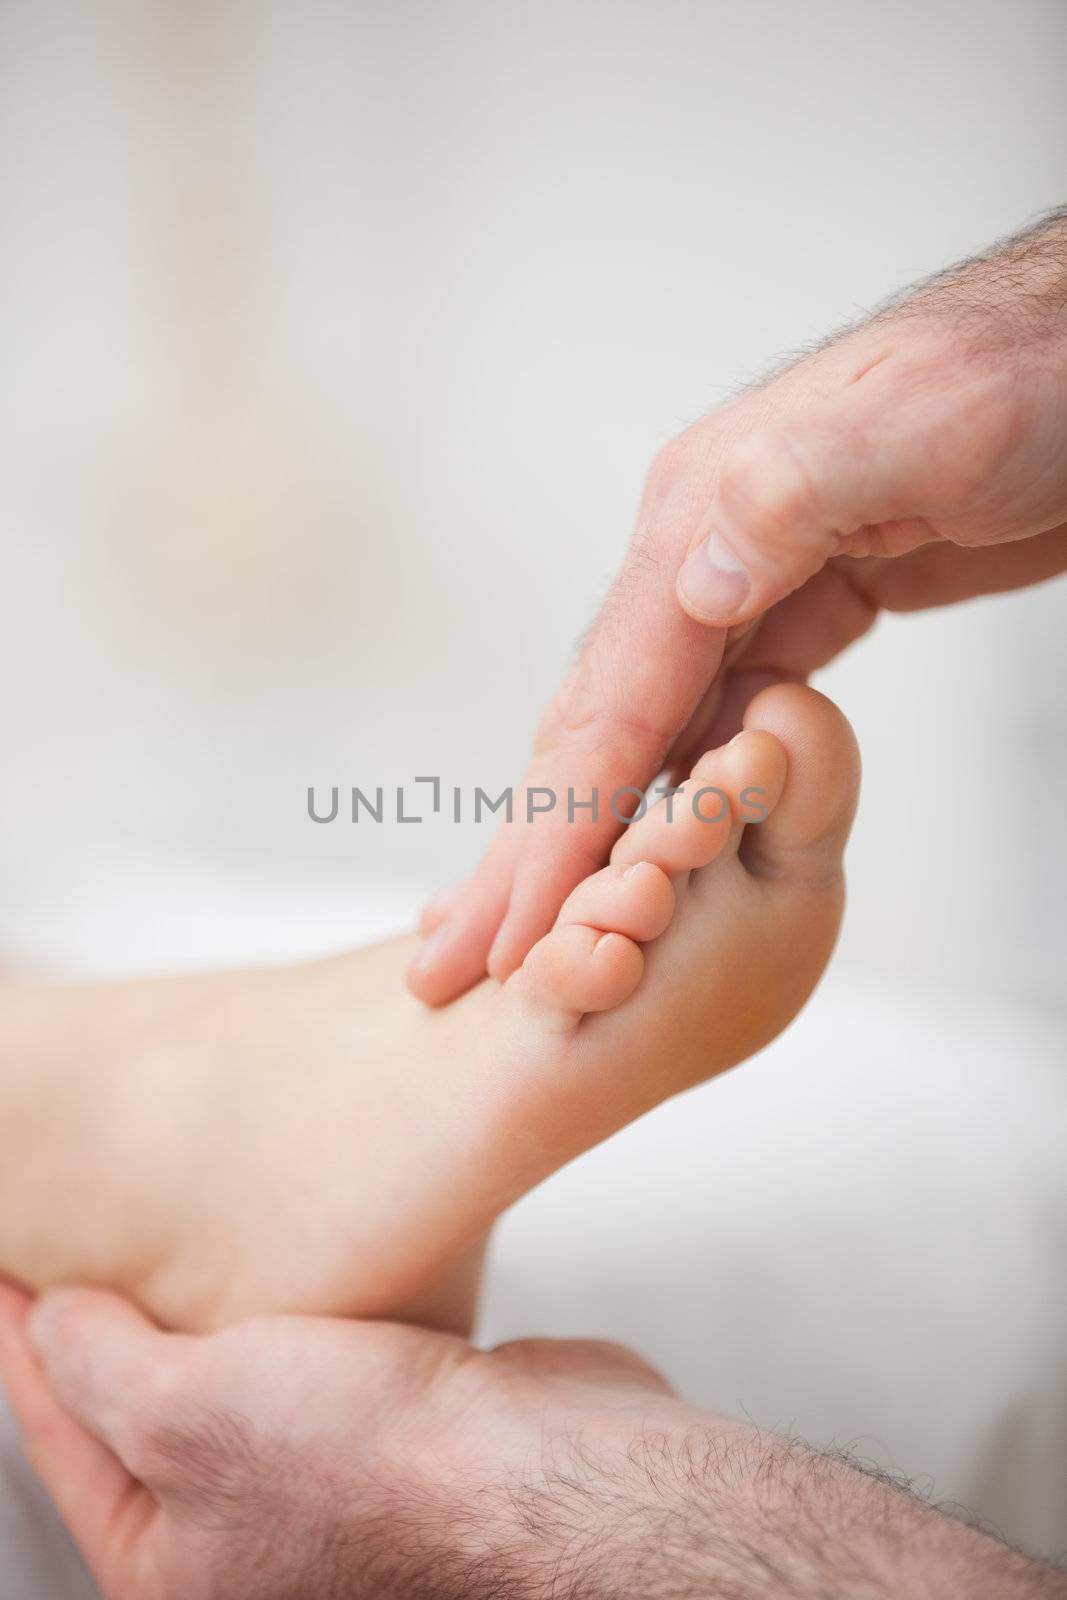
<point>309,1459</point>
<point>911,462</point>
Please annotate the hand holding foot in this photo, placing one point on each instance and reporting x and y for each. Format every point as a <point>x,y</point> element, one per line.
<point>314,1140</point>
<point>313,1458</point>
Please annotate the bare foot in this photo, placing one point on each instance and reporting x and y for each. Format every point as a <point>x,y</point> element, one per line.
<point>314,1139</point>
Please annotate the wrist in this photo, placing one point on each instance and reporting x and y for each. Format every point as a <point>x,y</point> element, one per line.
<point>672,1503</point>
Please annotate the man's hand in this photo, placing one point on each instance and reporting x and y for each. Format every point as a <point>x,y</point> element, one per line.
<point>928,443</point>
<point>304,1459</point>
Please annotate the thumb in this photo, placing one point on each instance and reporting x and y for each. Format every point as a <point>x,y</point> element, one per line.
<point>105,1362</point>
<point>785,497</point>
<point>101,1503</point>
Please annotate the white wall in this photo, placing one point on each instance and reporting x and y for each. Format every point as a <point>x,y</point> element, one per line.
<point>337,339</point>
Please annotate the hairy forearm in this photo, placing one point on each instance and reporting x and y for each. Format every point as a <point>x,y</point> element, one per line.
<point>1014,295</point>
<point>714,1510</point>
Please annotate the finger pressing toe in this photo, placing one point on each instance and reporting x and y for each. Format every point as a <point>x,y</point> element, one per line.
<point>729,787</point>
<point>687,829</point>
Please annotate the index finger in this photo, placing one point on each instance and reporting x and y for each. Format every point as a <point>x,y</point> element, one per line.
<point>642,671</point>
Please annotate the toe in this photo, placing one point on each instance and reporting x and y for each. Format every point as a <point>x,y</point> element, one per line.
<point>727,789</point>
<point>637,900</point>
<point>805,834</point>
<point>577,969</point>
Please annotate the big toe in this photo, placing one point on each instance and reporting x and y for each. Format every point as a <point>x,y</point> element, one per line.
<point>804,836</point>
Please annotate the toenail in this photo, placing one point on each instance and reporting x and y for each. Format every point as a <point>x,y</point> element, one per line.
<point>631,870</point>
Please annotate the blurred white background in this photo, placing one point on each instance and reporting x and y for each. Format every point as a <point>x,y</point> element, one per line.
<point>337,339</point>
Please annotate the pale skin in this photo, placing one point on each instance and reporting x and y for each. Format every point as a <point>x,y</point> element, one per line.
<point>245,1142</point>
<point>312,1139</point>
<point>914,461</point>
<point>303,1459</point>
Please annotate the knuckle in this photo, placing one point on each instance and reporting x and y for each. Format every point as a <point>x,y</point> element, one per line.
<point>523,1362</point>
<point>526,1362</point>
<point>683,467</point>
<point>587,709</point>
<point>612,722</point>
<point>766,486</point>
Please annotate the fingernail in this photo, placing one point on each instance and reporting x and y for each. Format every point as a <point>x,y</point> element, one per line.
<point>429,949</point>
<point>712,580</point>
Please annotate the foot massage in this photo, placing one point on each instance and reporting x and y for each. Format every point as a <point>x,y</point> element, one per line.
<point>249,1209</point>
